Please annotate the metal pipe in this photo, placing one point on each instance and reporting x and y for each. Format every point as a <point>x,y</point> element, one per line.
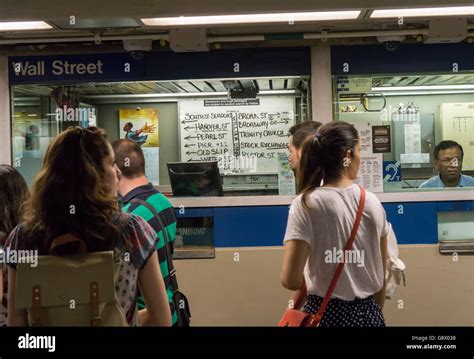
<point>85,38</point>
<point>230,38</point>
<point>183,95</point>
<point>237,38</point>
<point>345,34</point>
<point>317,35</point>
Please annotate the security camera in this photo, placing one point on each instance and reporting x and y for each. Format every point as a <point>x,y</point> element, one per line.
<point>137,55</point>
<point>391,43</point>
<point>137,48</point>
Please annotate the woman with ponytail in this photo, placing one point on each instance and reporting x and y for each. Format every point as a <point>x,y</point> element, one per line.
<point>319,226</point>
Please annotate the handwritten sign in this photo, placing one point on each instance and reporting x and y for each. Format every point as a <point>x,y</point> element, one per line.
<point>243,135</point>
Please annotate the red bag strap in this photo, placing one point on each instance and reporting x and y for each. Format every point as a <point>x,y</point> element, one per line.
<point>316,318</point>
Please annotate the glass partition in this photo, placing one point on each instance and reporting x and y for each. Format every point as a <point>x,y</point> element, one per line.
<point>417,131</point>
<point>240,123</point>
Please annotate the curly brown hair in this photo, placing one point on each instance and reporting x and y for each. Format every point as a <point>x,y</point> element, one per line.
<point>13,193</point>
<point>70,195</point>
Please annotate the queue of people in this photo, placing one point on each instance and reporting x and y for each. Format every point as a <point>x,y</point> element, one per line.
<point>98,193</point>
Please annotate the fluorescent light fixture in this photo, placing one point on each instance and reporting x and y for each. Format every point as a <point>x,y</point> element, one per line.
<point>251,18</point>
<point>435,92</point>
<point>424,12</point>
<point>24,25</point>
<point>423,88</point>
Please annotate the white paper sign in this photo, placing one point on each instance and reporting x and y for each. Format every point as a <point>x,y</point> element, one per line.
<point>365,134</point>
<point>370,174</point>
<point>244,135</point>
<point>413,138</point>
<point>152,164</point>
<point>415,158</point>
<point>286,178</point>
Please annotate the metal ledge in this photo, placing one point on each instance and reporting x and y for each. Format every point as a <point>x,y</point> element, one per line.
<point>460,247</point>
<point>398,197</point>
<point>194,252</point>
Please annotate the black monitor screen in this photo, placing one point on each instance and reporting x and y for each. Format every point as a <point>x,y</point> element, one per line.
<point>195,179</point>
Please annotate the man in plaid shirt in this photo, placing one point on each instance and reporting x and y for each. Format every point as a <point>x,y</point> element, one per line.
<point>134,184</point>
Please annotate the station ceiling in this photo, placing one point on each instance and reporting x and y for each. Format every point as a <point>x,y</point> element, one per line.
<point>115,19</point>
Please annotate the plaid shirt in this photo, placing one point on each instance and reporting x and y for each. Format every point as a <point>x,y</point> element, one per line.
<point>165,209</point>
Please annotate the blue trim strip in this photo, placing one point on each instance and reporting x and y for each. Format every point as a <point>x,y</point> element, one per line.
<point>408,58</point>
<point>413,223</point>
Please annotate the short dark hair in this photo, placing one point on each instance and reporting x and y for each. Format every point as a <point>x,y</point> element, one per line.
<point>445,145</point>
<point>129,158</point>
<point>301,131</point>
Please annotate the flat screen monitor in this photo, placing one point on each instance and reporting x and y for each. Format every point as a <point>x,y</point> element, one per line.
<point>195,179</point>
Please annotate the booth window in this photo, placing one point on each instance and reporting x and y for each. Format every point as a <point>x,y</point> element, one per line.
<point>240,123</point>
<point>401,119</point>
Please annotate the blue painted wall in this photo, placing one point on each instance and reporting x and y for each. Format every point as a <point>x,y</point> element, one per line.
<point>413,223</point>
<point>408,58</point>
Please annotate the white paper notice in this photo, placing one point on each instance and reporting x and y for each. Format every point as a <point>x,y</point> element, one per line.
<point>152,164</point>
<point>415,158</point>
<point>371,173</point>
<point>286,178</point>
<point>365,134</point>
<point>413,138</point>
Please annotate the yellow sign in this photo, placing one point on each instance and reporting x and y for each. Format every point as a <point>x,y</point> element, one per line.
<point>140,126</point>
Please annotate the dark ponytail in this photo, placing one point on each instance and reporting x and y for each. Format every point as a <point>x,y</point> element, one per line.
<point>322,156</point>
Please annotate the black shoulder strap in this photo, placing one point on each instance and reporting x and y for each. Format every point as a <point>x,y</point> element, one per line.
<point>172,272</point>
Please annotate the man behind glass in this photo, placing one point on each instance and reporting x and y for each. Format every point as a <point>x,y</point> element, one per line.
<point>448,160</point>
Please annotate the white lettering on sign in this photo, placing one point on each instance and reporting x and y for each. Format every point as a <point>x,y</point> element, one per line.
<point>65,68</point>
<point>58,68</point>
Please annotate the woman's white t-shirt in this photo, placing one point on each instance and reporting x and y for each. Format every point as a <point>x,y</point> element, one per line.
<point>326,227</point>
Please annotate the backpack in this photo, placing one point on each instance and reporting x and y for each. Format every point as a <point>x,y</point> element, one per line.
<point>395,267</point>
<point>77,290</point>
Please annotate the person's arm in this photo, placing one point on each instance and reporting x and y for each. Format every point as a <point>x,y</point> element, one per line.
<point>152,288</point>
<point>295,257</point>
<point>1,280</point>
<point>380,295</point>
<point>16,317</point>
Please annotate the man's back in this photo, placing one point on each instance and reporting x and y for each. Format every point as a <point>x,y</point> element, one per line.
<point>165,209</point>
